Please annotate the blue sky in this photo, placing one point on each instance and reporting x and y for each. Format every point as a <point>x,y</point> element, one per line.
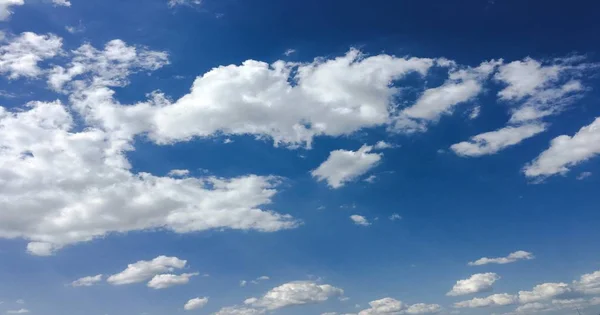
<point>236,157</point>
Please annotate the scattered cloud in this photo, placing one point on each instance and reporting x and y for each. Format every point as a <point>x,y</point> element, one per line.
<point>389,306</point>
<point>64,3</point>
<point>174,3</point>
<point>294,293</point>
<point>21,56</point>
<point>178,173</point>
<point>481,282</point>
<point>289,52</point>
<point>511,258</point>
<point>490,301</point>
<point>87,281</point>
<point>475,112</point>
<point>395,217</point>
<point>243,283</point>
<point>494,141</point>
<point>566,151</point>
<point>359,220</point>
<point>19,311</point>
<point>165,281</point>
<point>145,270</point>
<point>371,179</point>
<point>380,145</point>
<point>584,175</point>
<point>195,303</point>
<point>344,166</point>
<point>543,292</point>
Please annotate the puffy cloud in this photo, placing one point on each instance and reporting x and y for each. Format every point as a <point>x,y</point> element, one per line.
<point>359,220</point>
<point>344,166</point>
<point>480,282</point>
<point>21,55</point>
<point>108,67</point>
<point>462,85</point>
<point>494,141</point>
<point>295,293</point>
<point>492,300</point>
<point>76,186</point>
<point>64,3</point>
<point>5,6</point>
<point>543,292</point>
<point>87,281</point>
<point>566,151</point>
<point>195,303</point>
<point>169,280</point>
<point>511,258</point>
<point>531,308</point>
<point>390,306</point>
<point>588,283</point>
<point>144,270</point>
<point>525,78</point>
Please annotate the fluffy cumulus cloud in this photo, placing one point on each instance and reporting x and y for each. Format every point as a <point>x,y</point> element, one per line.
<point>481,282</point>
<point>5,8</point>
<point>195,303</point>
<point>359,220</point>
<point>295,293</point>
<point>490,301</point>
<point>144,270</point>
<point>588,283</point>
<point>566,151</point>
<point>390,306</point>
<point>543,292</point>
<point>87,281</point>
<point>169,280</point>
<point>494,141</point>
<point>21,56</point>
<point>344,166</point>
<point>511,258</point>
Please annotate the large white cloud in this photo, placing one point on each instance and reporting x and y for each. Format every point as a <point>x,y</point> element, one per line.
<point>295,293</point>
<point>60,187</point>
<point>21,56</point>
<point>492,300</point>
<point>390,306</point>
<point>480,282</point>
<point>144,270</point>
<point>511,258</point>
<point>5,6</point>
<point>566,151</point>
<point>343,166</point>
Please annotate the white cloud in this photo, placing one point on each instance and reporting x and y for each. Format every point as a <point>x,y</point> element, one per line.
<point>584,175</point>
<point>494,141</point>
<point>178,173</point>
<point>371,179</point>
<point>21,55</point>
<point>462,86</point>
<point>344,166</point>
<point>64,3</point>
<point>490,301</point>
<point>481,282</point>
<point>359,220</point>
<point>144,270</point>
<point>88,190</point>
<point>20,311</point>
<point>239,310</point>
<point>395,217</point>
<point>525,78</point>
<point>165,281</point>
<point>195,303</point>
<point>380,145</point>
<point>87,281</point>
<point>543,292</point>
<point>566,151</point>
<point>289,52</point>
<point>5,6</point>
<point>295,293</point>
<point>511,258</point>
<point>243,283</point>
<point>390,306</point>
<point>531,308</point>
<point>20,301</point>
<point>475,112</point>
<point>588,283</point>
<point>174,3</point>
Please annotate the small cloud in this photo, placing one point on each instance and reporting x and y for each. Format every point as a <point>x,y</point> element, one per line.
<point>441,151</point>
<point>475,112</point>
<point>174,3</point>
<point>289,52</point>
<point>64,3</point>
<point>321,208</point>
<point>227,141</point>
<point>75,29</point>
<point>348,206</point>
<point>178,173</point>
<point>243,283</point>
<point>371,179</point>
<point>395,217</point>
<point>344,298</point>
<point>20,301</point>
<point>21,311</point>
<point>206,275</point>
<point>219,15</point>
<point>380,145</point>
<point>195,303</point>
<point>584,175</point>
<point>87,281</point>
<point>360,220</point>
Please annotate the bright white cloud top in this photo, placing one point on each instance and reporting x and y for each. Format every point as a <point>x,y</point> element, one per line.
<point>195,303</point>
<point>481,282</point>
<point>511,258</point>
<point>344,166</point>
